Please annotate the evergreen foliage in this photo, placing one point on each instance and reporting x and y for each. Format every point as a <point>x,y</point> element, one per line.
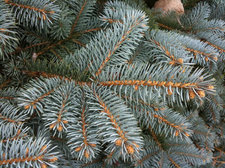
<point>90,84</point>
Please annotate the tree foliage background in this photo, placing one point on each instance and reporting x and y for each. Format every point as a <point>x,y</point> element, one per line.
<point>86,83</point>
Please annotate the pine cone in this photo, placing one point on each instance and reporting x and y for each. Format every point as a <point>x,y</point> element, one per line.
<point>170,5</point>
